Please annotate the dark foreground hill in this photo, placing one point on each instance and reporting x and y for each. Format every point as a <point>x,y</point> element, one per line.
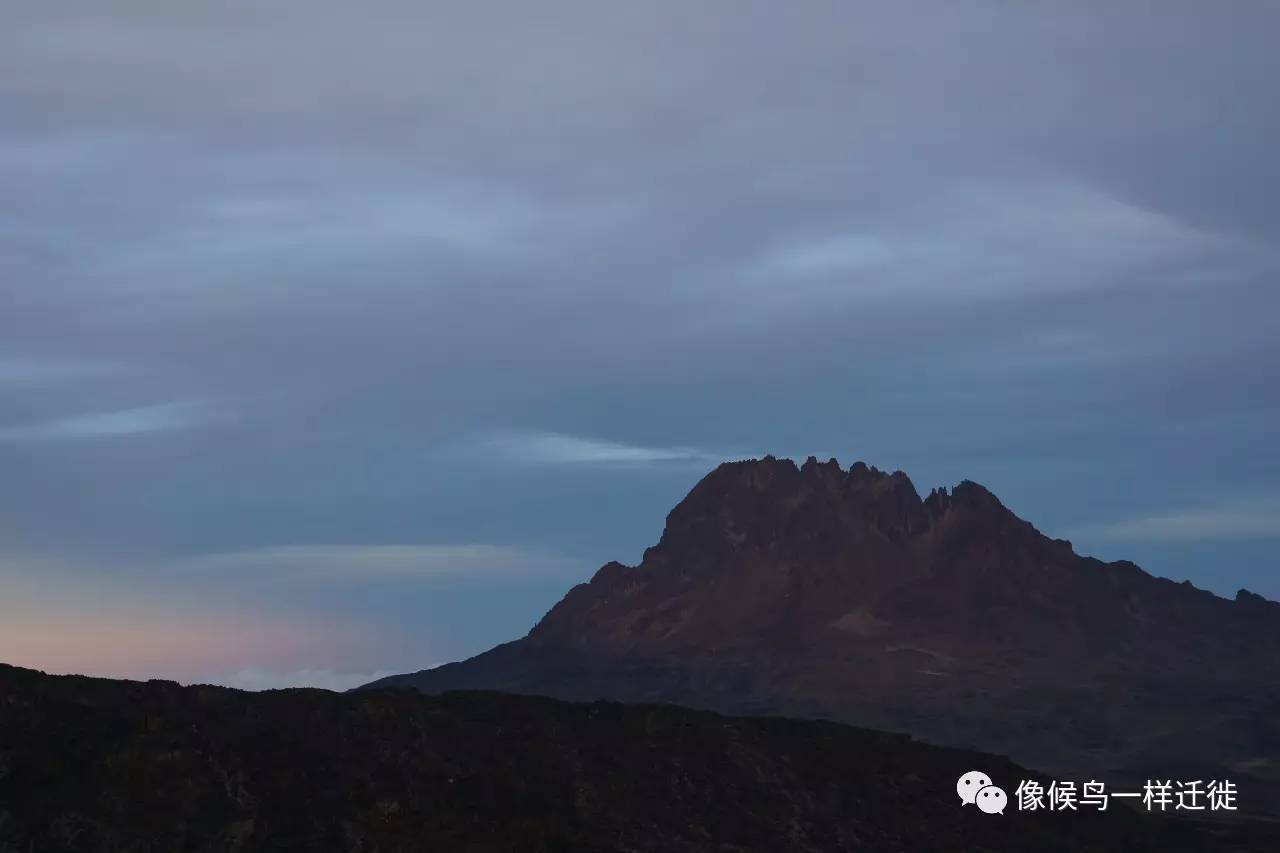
<point>812,591</point>
<point>94,765</point>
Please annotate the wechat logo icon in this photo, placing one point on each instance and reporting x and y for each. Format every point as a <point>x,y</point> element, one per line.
<point>975,788</point>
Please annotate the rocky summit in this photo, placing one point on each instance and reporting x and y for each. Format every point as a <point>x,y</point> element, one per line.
<point>815,591</point>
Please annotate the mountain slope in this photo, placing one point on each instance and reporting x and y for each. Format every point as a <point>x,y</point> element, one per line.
<point>818,592</point>
<point>94,765</point>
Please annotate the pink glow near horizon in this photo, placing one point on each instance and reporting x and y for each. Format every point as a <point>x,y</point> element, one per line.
<point>183,646</point>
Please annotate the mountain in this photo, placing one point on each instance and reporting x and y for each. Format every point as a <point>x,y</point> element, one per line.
<point>813,591</point>
<point>91,766</point>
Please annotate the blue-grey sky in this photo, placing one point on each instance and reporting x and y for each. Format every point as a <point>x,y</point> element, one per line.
<point>341,338</point>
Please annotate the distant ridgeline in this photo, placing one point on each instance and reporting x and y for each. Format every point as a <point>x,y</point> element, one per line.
<point>93,765</point>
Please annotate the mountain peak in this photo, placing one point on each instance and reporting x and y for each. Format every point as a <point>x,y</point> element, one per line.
<point>817,591</point>
<point>769,503</point>
<point>765,546</point>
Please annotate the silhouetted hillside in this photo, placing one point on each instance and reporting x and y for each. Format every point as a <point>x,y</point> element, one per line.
<point>93,765</point>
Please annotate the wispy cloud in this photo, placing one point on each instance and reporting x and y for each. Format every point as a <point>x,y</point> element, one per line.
<point>126,422</point>
<point>42,372</point>
<point>1237,520</point>
<point>1004,238</point>
<point>559,448</point>
<point>235,236</point>
<point>372,562</point>
<point>840,254</point>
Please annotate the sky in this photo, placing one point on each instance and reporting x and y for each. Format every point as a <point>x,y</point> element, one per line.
<point>341,339</point>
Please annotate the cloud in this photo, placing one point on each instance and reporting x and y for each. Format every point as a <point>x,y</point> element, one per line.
<point>34,372</point>
<point>552,448</point>
<point>1233,521</point>
<point>229,240</point>
<point>998,236</point>
<point>253,678</point>
<point>654,231</point>
<point>159,418</point>
<point>376,562</point>
<point>840,254</point>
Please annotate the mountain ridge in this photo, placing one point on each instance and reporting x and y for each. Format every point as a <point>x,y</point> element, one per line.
<point>816,591</point>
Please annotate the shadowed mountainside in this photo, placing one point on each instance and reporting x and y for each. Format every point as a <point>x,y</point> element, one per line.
<point>812,591</point>
<point>92,765</point>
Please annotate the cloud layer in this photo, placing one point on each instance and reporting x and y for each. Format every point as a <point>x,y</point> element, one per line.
<point>145,419</point>
<point>324,290</point>
<point>549,448</point>
<point>1259,519</point>
<point>372,563</point>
